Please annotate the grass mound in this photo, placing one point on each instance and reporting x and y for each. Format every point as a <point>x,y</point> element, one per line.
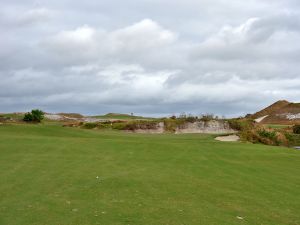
<point>120,116</point>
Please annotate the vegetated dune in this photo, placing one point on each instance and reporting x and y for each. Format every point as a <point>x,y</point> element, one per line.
<point>76,117</point>
<point>120,116</point>
<point>64,116</point>
<point>72,115</point>
<point>281,112</point>
<point>271,109</point>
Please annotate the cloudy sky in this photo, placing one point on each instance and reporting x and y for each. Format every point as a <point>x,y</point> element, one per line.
<point>150,57</point>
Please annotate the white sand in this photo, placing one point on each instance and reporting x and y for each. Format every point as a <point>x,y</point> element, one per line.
<point>228,138</point>
<point>258,120</point>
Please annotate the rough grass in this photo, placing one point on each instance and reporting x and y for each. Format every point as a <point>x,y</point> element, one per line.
<point>277,126</point>
<point>16,116</point>
<point>52,175</point>
<point>296,139</point>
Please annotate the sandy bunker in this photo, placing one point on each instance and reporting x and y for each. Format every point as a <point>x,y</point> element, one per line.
<point>231,138</point>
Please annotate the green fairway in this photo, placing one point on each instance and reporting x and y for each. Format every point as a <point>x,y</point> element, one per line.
<point>53,175</point>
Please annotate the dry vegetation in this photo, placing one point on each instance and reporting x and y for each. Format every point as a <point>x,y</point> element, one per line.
<point>259,133</point>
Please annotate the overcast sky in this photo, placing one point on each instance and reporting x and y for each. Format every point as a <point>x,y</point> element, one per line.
<point>149,57</point>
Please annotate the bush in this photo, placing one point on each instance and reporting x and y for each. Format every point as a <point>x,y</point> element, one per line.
<point>139,124</point>
<point>207,117</point>
<point>282,139</point>
<point>28,117</point>
<point>255,133</point>
<point>267,134</point>
<point>104,125</point>
<point>296,139</point>
<point>191,119</point>
<point>171,125</point>
<point>35,115</point>
<point>296,129</point>
<point>241,124</point>
<point>235,124</point>
<point>119,126</point>
<point>90,125</point>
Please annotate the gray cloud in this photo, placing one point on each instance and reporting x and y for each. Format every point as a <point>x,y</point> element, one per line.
<point>149,57</point>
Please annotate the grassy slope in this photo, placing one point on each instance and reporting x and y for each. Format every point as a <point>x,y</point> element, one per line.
<point>119,116</point>
<point>48,176</point>
<point>17,116</point>
<point>280,107</point>
<point>277,126</point>
<point>271,109</point>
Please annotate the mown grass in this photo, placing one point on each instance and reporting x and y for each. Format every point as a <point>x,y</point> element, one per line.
<point>52,175</point>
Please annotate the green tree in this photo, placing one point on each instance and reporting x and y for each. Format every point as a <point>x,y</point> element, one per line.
<point>27,117</point>
<point>35,115</point>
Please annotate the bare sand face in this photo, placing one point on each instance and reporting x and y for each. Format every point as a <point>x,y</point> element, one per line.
<point>258,120</point>
<point>210,127</point>
<point>231,138</point>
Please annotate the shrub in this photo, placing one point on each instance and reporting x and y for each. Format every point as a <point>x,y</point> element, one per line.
<point>207,117</point>
<point>71,124</point>
<point>241,124</point>
<point>255,133</point>
<point>90,125</point>
<point>296,129</point>
<point>171,125</point>
<point>296,139</point>
<point>135,125</point>
<point>282,139</point>
<point>119,126</point>
<point>28,117</point>
<point>35,115</point>
<point>267,134</point>
<point>235,124</point>
<point>104,125</point>
<point>271,137</point>
<point>191,119</point>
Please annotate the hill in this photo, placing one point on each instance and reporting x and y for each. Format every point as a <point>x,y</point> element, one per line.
<point>281,112</point>
<point>120,116</point>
